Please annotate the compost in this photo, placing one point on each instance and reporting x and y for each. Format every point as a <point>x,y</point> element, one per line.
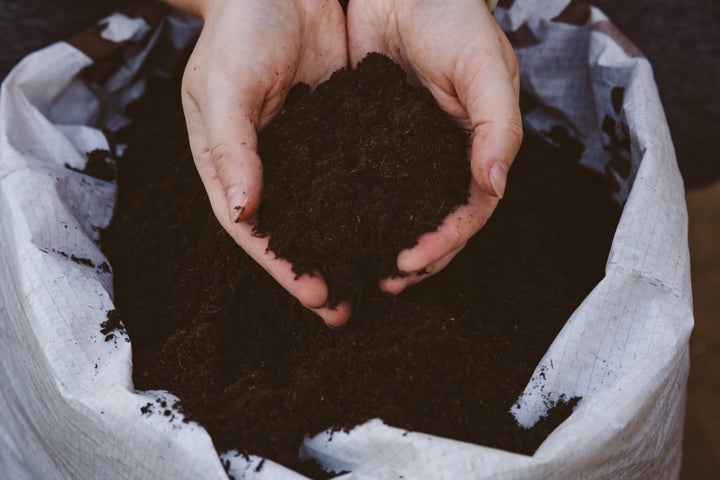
<point>447,357</point>
<point>342,202</point>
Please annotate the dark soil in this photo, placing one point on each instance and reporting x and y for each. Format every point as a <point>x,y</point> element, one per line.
<point>447,357</point>
<point>343,202</point>
<point>99,165</point>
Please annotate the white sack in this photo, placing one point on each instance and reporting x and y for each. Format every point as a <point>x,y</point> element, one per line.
<point>67,405</point>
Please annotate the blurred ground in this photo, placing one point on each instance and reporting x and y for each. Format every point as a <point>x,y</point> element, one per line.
<point>681,38</point>
<point>702,421</point>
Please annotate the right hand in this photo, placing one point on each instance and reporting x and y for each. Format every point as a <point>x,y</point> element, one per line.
<point>249,54</point>
<point>459,53</point>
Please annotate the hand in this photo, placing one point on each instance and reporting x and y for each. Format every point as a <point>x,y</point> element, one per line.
<point>457,51</point>
<point>249,54</point>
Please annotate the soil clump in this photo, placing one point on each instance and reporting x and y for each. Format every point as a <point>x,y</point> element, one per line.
<point>357,170</point>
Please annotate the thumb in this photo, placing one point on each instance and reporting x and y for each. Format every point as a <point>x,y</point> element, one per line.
<point>226,145</point>
<point>494,146</point>
<point>494,112</point>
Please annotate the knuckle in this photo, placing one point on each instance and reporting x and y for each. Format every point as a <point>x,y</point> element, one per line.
<point>221,155</point>
<point>206,169</point>
<point>514,66</point>
<point>191,77</point>
<point>186,85</point>
<point>515,129</point>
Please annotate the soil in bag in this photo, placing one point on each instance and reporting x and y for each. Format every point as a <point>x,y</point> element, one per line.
<point>447,357</point>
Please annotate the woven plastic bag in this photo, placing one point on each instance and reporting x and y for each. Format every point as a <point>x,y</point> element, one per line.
<point>67,405</point>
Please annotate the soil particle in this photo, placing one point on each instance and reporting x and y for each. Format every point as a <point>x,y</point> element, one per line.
<point>112,324</point>
<point>99,165</point>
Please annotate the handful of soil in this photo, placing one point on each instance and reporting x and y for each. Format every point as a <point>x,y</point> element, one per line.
<point>357,170</point>
<point>447,357</point>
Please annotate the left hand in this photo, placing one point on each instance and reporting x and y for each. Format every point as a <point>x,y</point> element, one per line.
<point>458,52</point>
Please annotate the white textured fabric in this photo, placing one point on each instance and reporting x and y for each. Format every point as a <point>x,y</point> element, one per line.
<point>67,405</point>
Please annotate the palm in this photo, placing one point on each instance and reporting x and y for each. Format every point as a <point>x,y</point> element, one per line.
<point>457,51</point>
<point>249,54</point>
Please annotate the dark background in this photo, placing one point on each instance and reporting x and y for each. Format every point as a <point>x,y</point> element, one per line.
<point>681,38</point>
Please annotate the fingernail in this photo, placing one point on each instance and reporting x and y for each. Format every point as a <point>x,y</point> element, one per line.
<point>498,178</point>
<point>237,201</point>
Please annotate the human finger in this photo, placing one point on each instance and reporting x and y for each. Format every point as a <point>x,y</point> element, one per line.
<point>453,233</point>
<point>310,290</point>
<point>229,115</point>
<point>395,285</point>
<point>489,91</point>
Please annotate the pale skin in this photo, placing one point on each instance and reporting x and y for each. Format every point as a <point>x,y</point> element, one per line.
<point>251,52</point>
